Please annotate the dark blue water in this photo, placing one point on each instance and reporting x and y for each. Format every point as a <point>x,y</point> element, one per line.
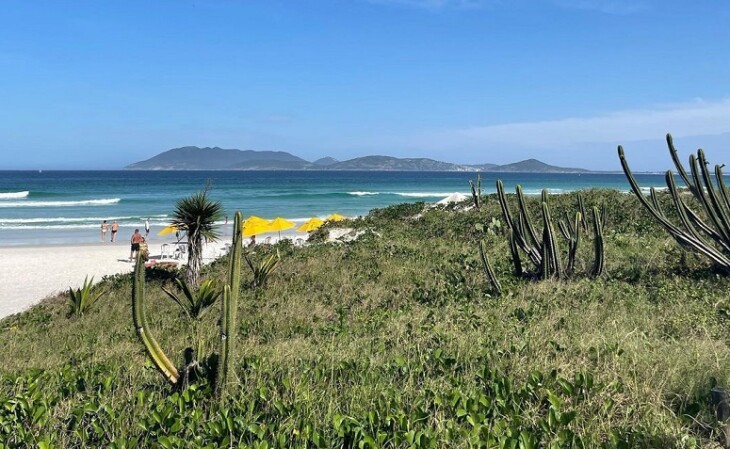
<point>68,206</point>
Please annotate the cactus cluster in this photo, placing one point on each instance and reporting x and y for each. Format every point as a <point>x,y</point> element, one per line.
<point>227,322</point>
<point>708,235</point>
<point>543,249</point>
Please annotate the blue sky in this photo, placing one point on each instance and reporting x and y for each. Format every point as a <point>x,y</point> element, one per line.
<point>91,84</point>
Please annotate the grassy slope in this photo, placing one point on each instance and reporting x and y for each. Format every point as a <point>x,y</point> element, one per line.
<point>395,338</point>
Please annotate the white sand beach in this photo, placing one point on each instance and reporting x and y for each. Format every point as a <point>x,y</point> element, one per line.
<point>29,274</point>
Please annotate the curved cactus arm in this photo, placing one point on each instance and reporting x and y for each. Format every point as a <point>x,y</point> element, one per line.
<point>163,364</point>
<point>693,187</point>
<point>491,276</point>
<point>680,206</point>
<point>503,205</point>
<point>720,211</point>
<point>704,199</point>
<point>533,251</point>
<point>563,227</point>
<point>658,214</point>
<point>721,186</point>
<point>599,264</point>
<point>526,216</point>
<point>229,308</point>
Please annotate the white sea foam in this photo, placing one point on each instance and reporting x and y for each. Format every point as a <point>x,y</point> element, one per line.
<point>647,190</point>
<point>81,219</point>
<point>101,202</point>
<point>363,193</point>
<point>422,194</point>
<point>14,195</point>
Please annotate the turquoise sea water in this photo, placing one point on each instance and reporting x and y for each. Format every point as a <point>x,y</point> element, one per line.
<point>59,207</point>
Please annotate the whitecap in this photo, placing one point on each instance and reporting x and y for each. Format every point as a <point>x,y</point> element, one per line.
<point>14,195</point>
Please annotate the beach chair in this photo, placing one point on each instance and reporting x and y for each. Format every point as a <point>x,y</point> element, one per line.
<point>181,251</point>
<point>299,242</point>
<point>267,240</point>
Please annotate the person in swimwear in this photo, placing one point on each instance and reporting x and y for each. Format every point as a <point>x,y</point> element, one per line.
<point>115,228</point>
<point>135,241</point>
<point>104,227</point>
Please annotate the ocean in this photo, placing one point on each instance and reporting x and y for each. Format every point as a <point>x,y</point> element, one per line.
<point>67,207</point>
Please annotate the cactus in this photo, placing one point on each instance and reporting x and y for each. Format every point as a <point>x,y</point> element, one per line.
<point>551,263</point>
<point>491,276</point>
<point>571,232</point>
<point>544,253</point>
<point>598,243</point>
<point>476,191</point>
<point>712,238</point>
<point>582,210</point>
<point>228,309</point>
<point>163,364</point>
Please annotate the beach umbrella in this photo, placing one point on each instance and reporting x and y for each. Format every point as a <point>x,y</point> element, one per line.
<point>168,230</point>
<point>310,225</point>
<point>280,224</point>
<point>335,217</point>
<point>255,225</point>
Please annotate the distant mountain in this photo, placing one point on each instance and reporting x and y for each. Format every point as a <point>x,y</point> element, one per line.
<point>533,166</point>
<point>325,161</point>
<point>195,158</point>
<point>393,163</point>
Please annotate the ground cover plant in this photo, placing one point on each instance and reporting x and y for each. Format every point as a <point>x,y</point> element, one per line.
<point>397,340</point>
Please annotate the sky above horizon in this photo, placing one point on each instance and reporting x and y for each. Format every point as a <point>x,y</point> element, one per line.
<point>99,85</point>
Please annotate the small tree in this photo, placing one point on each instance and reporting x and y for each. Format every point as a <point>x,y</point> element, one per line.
<point>197,215</point>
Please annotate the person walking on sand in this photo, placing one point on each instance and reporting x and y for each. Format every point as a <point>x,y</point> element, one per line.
<point>147,227</point>
<point>135,241</point>
<point>115,228</point>
<point>104,227</point>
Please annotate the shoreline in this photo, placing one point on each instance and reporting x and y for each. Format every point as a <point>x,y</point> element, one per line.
<point>31,273</point>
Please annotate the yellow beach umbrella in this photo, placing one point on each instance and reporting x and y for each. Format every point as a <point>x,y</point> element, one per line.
<point>168,230</point>
<point>255,225</point>
<point>280,224</point>
<point>335,217</point>
<point>310,225</point>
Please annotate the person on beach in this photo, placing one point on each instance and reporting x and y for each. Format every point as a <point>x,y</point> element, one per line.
<point>115,228</point>
<point>104,227</point>
<point>135,241</point>
<point>252,243</point>
<point>147,227</point>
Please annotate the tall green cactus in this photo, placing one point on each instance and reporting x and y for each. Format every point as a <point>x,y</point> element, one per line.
<point>476,191</point>
<point>598,243</point>
<point>163,364</point>
<point>228,309</point>
<point>712,238</point>
<point>551,259</point>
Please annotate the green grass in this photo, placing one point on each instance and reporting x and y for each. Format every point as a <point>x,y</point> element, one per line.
<point>394,341</point>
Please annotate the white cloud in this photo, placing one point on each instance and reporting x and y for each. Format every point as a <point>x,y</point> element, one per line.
<point>683,120</point>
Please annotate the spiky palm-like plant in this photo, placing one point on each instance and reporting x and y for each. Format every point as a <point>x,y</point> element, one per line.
<point>197,214</point>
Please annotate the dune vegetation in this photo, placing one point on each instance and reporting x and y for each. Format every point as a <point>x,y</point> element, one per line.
<point>397,339</point>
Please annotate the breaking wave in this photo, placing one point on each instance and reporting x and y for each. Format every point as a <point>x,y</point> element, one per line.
<point>101,202</point>
<point>14,195</point>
